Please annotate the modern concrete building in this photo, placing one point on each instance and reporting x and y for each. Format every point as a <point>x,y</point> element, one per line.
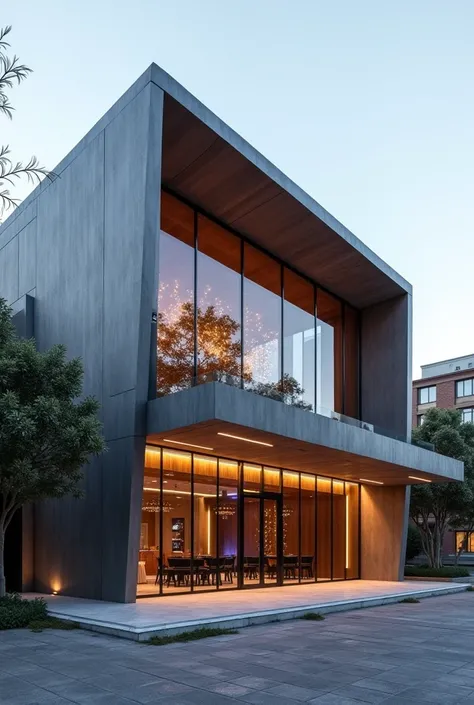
<point>448,384</point>
<point>251,356</point>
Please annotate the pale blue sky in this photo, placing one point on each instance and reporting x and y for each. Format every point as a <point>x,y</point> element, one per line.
<point>367,105</point>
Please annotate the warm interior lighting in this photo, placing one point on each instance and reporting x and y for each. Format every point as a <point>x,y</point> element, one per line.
<point>208,531</point>
<point>196,494</point>
<point>175,454</point>
<point>373,482</point>
<point>248,440</point>
<point>182,443</point>
<point>420,479</point>
<point>347,531</point>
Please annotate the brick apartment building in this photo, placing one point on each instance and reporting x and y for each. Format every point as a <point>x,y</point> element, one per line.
<point>447,384</point>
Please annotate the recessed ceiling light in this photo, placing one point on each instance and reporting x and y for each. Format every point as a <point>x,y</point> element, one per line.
<point>248,440</point>
<point>191,445</point>
<point>420,479</point>
<point>373,482</point>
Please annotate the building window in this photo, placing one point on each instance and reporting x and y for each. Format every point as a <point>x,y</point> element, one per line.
<point>461,542</point>
<point>427,395</point>
<point>420,419</point>
<point>229,312</point>
<point>468,415</point>
<point>464,388</point>
<point>211,524</point>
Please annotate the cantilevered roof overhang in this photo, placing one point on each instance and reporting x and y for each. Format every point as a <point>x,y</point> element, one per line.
<point>207,163</point>
<point>294,439</point>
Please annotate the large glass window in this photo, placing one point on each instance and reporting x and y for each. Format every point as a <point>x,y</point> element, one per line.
<point>205,573</point>
<point>262,322</point>
<point>427,395</point>
<point>229,312</point>
<point>176,548</point>
<point>175,338</point>
<point>338,530</point>
<point>227,522</point>
<point>324,534</point>
<point>468,415</point>
<point>465,388</point>
<point>329,354</point>
<point>308,528</point>
<point>218,301</point>
<point>464,541</point>
<point>298,341</point>
<point>198,533</point>
<point>291,527</point>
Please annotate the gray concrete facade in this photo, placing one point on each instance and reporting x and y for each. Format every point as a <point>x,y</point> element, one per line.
<point>78,262</point>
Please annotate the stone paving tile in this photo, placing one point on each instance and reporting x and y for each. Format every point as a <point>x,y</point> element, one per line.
<point>232,690</point>
<point>381,686</point>
<point>259,697</point>
<point>332,699</point>
<point>394,655</point>
<point>355,692</point>
<point>295,692</point>
<point>255,682</point>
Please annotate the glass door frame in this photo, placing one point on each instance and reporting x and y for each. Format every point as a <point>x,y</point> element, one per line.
<point>261,497</point>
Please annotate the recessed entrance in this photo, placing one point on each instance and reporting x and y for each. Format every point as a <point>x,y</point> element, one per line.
<point>214,524</point>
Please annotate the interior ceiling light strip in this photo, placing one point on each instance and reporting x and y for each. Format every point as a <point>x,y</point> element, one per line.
<point>373,482</point>
<point>420,479</point>
<point>191,445</point>
<point>248,440</point>
<point>179,492</point>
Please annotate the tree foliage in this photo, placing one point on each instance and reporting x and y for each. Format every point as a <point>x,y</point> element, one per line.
<point>219,353</point>
<point>12,72</point>
<point>436,506</point>
<point>46,433</point>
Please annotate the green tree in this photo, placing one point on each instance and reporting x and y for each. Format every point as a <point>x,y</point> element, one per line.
<point>46,433</point>
<point>11,73</point>
<point>414,546</point>
<point>219,352</point>
<point>434,507</point>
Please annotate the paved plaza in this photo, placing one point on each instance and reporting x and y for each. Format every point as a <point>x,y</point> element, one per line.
<point>235,608</point>
<point>397,654</point>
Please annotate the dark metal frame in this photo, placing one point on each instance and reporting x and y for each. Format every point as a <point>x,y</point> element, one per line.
<point>261,495</point>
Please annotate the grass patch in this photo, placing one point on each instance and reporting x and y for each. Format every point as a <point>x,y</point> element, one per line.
<point>409,601</point>
<point>313,616</point>
<point>17,612</point>
<point>424,571</point>
<point>38,625</point>
<point>203,633</point>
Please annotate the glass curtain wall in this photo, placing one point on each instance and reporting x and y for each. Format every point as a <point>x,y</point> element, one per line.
<point>229,312</point>
<point>197,510</point>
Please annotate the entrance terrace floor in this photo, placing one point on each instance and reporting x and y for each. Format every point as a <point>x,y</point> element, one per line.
<point>234,609</point>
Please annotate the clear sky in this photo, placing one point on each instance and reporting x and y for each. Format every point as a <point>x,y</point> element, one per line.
<point>367,105</point>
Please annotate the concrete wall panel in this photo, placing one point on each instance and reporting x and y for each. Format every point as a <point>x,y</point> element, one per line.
<point>386,365</point>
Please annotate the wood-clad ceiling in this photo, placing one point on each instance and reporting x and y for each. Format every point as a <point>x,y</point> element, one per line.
<point>201,166</point>
<point>288,453</point>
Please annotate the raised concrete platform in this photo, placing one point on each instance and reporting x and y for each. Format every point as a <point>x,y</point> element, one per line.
<point>234,609</point>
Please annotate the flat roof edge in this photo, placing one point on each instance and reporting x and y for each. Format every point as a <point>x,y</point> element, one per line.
<point>217,401</point>
<point>170,86</point>
<point>174,89</point>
